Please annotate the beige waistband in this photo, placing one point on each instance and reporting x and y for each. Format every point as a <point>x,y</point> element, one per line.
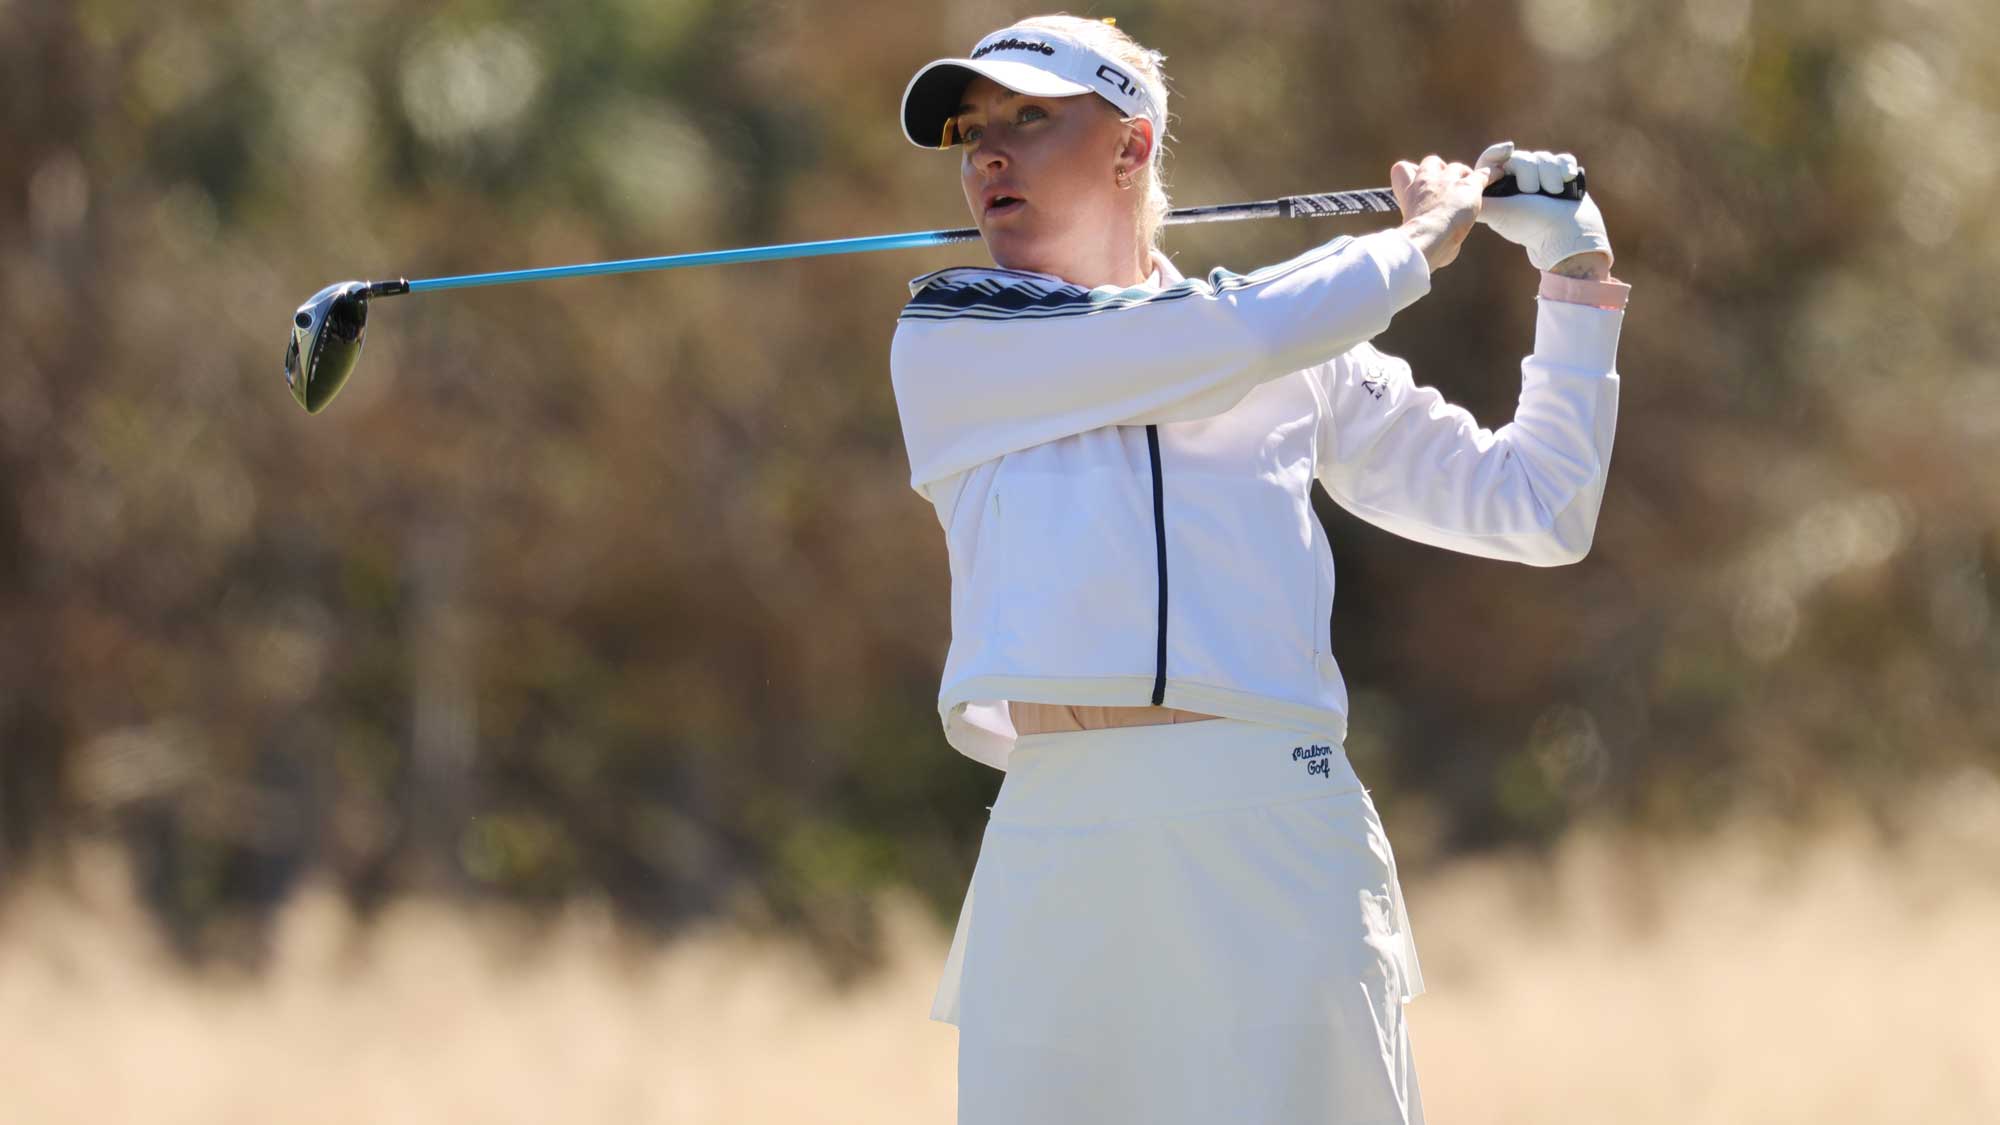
<point>1051,718</point>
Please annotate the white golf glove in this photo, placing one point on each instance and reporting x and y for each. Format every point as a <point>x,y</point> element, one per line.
<point>1550,229</point>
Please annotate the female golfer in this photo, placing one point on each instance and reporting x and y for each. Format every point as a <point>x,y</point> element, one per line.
<point>1185,908</point>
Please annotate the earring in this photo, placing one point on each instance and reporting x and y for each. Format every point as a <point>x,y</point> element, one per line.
<point>1124,178</point>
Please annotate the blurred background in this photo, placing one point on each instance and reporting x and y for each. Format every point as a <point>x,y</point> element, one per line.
<point>547,730</point>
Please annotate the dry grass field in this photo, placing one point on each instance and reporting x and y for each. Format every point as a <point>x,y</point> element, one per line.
<point>1750,977</point>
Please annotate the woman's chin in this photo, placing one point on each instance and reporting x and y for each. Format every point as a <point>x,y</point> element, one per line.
<point>1011,251</point>
<point>1017,249</point>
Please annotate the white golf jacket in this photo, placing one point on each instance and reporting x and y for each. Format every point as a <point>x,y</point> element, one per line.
<point>1123,476</point>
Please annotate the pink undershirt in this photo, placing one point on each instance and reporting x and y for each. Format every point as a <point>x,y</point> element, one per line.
<point>1606,294</point>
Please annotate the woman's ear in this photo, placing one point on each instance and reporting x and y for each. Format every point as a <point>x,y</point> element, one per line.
<point>1137,148</point>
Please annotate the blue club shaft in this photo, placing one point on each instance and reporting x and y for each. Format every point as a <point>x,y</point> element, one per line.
<point>908,241</point>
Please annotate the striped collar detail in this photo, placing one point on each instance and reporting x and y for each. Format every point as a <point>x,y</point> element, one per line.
<point>971,292</point>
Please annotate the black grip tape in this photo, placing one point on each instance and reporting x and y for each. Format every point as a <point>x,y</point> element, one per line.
<point>1507,185</point>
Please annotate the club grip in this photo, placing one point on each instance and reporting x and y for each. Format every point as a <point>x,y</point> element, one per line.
<point>1507,185</point>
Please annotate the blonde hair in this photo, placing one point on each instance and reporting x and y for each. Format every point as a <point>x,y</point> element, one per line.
<point>1106,38</point>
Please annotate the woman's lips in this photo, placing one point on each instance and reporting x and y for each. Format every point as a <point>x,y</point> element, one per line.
<point>1004,205</point>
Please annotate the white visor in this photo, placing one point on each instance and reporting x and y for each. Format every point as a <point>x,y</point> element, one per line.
<point>1031,61</point>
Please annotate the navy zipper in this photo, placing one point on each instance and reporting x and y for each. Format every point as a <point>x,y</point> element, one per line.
<point>1160,547</point>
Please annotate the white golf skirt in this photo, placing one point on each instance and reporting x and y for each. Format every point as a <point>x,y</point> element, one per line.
<point>1192,922</point>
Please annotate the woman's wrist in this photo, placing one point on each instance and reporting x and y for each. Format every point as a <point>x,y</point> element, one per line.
<point>1588,266</point>
<point>1433,235</point>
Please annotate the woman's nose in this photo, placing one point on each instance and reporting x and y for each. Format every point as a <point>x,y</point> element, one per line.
<point>989,156</point>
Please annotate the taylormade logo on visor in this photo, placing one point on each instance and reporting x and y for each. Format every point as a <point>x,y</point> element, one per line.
<point>1013,45</point>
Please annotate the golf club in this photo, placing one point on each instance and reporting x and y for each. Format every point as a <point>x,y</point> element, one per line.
<point>327,330</point>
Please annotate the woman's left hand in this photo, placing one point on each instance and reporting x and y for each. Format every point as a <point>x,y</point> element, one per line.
<point>1560,236</point>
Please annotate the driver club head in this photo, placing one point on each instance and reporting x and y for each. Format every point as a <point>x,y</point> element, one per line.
<point>326,342</point>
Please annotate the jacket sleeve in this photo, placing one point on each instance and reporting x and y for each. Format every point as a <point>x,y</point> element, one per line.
<point>1401,457</point>
<point>985,368</point>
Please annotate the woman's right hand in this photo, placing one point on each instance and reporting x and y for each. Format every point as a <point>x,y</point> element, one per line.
<point>1439,201</point>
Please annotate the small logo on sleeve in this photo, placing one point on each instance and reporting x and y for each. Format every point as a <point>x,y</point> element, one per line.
<point>1318,759</point>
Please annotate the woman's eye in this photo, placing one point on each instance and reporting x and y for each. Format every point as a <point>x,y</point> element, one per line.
<point>969,134</point>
